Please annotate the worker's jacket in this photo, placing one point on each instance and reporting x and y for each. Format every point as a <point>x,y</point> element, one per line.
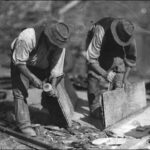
<point>31,48</point>
<point>108,52</point>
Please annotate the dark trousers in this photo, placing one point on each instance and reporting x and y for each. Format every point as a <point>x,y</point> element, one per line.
<point>20,86</point>
<point>96,87</point>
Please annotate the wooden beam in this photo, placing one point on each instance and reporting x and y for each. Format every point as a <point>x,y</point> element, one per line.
<point>27,139</point>
<point>68,7</point>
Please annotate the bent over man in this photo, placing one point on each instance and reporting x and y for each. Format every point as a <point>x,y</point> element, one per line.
<point>111,53</point>
<point>37,55</point>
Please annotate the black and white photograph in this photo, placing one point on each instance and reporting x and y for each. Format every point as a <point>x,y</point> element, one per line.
<point>74,74</point>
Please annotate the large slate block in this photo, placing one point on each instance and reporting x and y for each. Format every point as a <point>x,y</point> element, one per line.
<point>118,104</point>
<point>71,92</point>
<point>136,96</point>
<point>61,110</point>
<point>65,103</point>
<point>35,94</point>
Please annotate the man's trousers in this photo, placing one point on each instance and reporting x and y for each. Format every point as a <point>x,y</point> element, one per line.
<point>20,86</point>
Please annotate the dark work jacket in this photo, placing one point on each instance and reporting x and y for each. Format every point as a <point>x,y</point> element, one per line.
<point>53,54</point>
<point>110,50</point>
<point>44,61</point>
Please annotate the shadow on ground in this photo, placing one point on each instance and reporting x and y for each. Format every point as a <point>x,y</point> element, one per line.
<point>37,116</point>
<point>82,108</point>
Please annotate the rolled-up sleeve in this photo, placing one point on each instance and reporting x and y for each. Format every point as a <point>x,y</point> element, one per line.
<point>59,67</point>
<point>93,51</point>
<point>22,46</point>
<point>131,55</point>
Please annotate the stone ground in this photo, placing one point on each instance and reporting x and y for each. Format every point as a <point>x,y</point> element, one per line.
<point>86,129</point>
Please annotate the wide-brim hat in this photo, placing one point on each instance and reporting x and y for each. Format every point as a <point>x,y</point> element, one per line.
<point>58,33</point>
<point>122,31</point>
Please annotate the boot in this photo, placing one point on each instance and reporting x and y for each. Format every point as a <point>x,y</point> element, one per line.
<point>28,131</point>
<point>97,113</point>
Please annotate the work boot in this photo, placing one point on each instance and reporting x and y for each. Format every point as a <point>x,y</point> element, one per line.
<point>28,131</point>
<point>97,113</point>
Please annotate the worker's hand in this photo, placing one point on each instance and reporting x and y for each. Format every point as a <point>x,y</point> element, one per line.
<point>126,84</point>
<point>53,92</point>
<point>26,72</point>
<point>37,82</point>
<point>110,76</point>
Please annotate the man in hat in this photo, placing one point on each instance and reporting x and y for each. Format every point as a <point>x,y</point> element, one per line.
<point>37,55</point>
<point>111,53</point>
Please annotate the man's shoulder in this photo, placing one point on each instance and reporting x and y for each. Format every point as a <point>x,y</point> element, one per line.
<point>28,36</point>
<point>99,29</point>
<point>28,33</point>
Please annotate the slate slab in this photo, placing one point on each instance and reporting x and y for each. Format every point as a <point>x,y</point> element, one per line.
<point>120,103</point>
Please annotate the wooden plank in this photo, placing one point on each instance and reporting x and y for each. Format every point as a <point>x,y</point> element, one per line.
<point>69,6</point>
<point>27,138</point>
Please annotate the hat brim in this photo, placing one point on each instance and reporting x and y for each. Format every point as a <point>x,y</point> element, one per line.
<point>115,35</point>
<point>50,36</point>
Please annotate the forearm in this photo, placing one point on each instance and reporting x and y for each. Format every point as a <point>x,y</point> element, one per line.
<point>126,74</point>
<point>26,72</point>
<point>98,69</point>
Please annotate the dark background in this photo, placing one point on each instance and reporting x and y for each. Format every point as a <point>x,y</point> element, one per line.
<point>15,15</point>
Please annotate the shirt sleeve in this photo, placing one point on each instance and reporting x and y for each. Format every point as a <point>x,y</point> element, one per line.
<point>131,55</point>
<point>59,67</point>
<point>93,51</point>
<point>23,45</point>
